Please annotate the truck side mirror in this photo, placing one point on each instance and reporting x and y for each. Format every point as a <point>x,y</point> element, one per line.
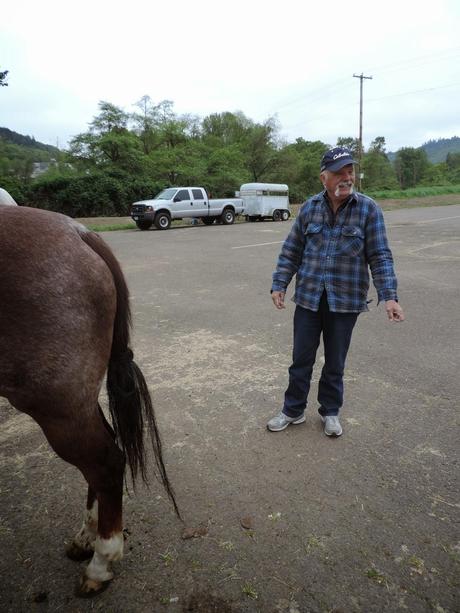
<point>176,199</point>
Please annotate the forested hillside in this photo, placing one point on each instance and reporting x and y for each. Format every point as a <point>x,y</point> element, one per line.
<point>26,141</point>
<point>438,150</point>
<point>124,157</point>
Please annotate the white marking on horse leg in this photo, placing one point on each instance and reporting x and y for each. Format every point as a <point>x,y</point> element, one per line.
<point>105,551</point>
<point>86,536</point>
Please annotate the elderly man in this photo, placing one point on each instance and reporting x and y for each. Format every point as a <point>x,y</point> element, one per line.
<point>338,235</point>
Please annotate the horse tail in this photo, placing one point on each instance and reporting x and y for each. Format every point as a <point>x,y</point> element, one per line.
<point>130,403</point>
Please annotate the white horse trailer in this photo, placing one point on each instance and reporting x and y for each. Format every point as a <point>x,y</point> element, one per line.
<point>265,201</point>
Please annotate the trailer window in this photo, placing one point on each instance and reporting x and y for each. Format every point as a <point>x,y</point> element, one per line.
<point>273,193</point>
<point>197,194</point>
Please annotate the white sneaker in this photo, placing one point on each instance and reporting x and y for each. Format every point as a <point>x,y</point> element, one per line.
<point>282,421</point>
<point>332,425</point>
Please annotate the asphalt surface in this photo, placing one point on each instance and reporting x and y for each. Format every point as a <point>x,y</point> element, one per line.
<point>367,522</point>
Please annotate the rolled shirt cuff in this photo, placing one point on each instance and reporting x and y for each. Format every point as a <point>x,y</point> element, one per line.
<point>388,294</point>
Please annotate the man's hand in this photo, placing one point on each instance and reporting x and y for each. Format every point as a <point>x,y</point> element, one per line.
<point>278,299</point>
<point>394,310</point>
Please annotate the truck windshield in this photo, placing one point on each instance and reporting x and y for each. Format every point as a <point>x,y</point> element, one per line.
<point>166,194</point>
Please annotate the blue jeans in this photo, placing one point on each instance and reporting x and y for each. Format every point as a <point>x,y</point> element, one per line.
<point>308,326</point>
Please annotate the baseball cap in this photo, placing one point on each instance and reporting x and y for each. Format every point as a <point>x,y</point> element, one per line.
<point>336,158</point>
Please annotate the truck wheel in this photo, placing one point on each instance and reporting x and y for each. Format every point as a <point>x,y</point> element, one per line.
<point>162,221</point>
<point>228,217</point>
<point>208,221</point>
<point>285,215</point>
<point>143,225</point>
<point>276,215</point>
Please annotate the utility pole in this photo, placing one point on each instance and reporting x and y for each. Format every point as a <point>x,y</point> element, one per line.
<point>361,77</point>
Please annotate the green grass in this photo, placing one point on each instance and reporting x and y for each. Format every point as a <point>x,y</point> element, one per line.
<point>250,591</point>
<point>415,192</point>
<point>374,574</point>
<point>112,227</point>
<point>132,226</point>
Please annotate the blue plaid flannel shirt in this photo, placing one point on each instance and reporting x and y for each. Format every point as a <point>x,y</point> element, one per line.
<point>335,255</point>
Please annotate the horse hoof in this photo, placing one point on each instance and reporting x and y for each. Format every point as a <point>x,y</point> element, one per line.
<point>87,588</point>
<point>77,553</point>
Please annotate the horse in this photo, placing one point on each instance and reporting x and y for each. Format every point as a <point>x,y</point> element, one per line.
<point>64,324</point>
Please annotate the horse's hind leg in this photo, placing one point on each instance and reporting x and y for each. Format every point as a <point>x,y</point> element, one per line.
<point>82,545</point>
<point>91,448</point>
<point>108,546</point>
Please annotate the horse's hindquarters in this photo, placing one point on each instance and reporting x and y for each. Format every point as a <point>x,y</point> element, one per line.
<point>56,322</point>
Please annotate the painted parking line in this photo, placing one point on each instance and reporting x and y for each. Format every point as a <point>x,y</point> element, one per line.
<point>396,225</point>
<point>417,223</point>
<point>438,219</point>
<point>258,245</point>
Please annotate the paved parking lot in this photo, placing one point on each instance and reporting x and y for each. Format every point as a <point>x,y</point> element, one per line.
<point>367,522</point>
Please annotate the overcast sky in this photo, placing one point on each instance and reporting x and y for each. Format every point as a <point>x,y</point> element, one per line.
<point>291,59</point>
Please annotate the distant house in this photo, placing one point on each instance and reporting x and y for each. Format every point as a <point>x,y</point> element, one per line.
<point>38,168</point>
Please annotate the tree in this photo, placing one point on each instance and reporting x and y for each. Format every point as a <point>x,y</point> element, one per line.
<point>225,170</point>
<point>108,141</point>
<point>378,145</point>
<point>410,165</point>
<point>145,123</point>
<point>377,168</point>
<point>436,174</point>
<point>351,143</point>
<point>259,148</point>
<point>297,164</point>
<point>453,167</point>
<point>110,118</point>
<point>3,77</point>
<point>226,128</point>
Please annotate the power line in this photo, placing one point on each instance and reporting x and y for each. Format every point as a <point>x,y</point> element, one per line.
<point>315,95</point>
<point>348,106</point>
<point>422,59</point>
<point>325,90</point>
<point>416,91</point>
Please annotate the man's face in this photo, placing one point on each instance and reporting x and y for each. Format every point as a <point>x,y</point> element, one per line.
<point>339,184</point>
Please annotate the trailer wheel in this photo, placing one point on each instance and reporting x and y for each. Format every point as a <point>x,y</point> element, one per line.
<point>208,221</point>
<point>228,217</point>
<point>143,225</point>
<point>162,221</point>
<point>285,215</point>
<point>276,215</point>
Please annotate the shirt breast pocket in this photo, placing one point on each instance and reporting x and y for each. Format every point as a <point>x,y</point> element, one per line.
<point>351,241</point>
<point>314,237</point>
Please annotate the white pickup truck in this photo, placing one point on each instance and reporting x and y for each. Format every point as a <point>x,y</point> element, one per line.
<point>180,202</point>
